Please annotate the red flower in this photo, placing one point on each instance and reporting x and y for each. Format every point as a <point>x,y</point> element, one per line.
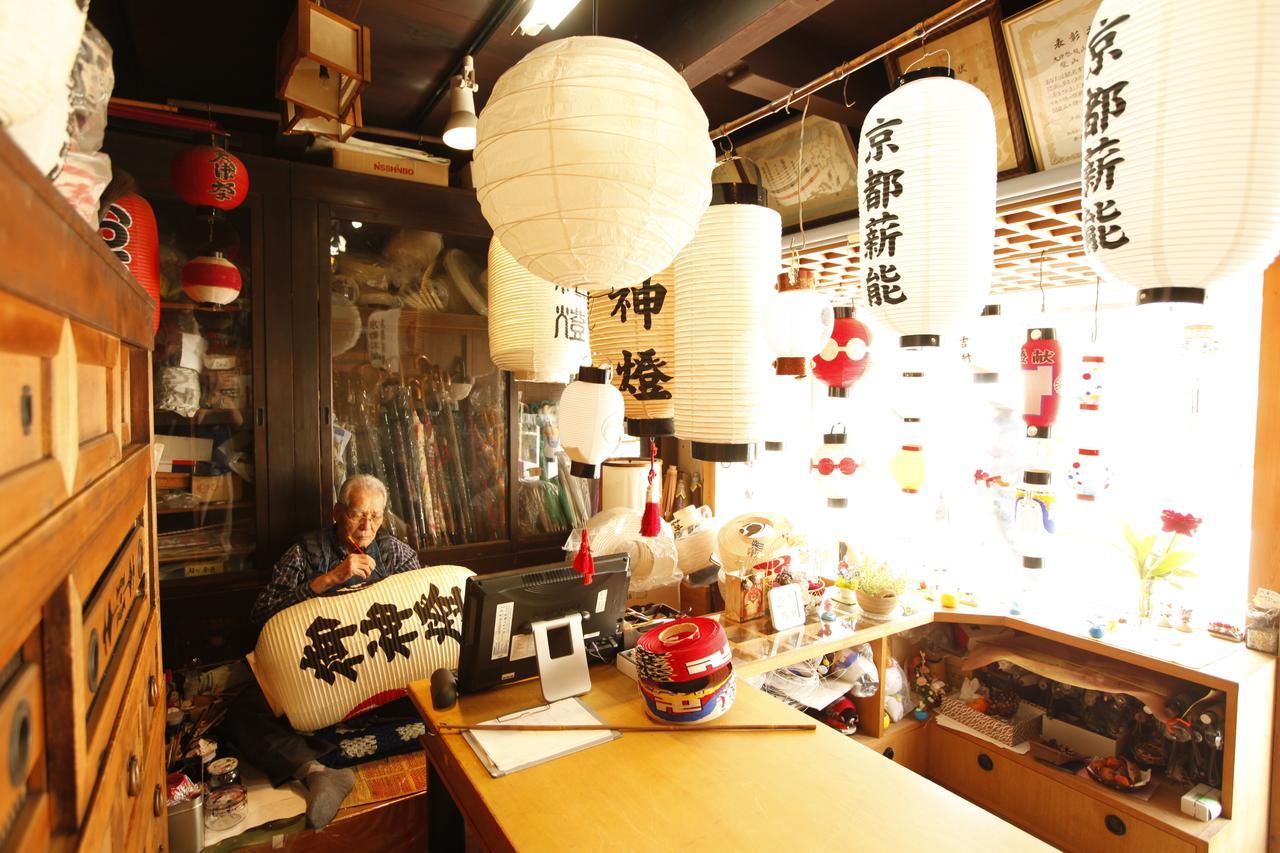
<point>1178,522</point>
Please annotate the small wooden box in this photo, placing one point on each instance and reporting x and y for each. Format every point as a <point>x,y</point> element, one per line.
<point>223,488</point>
<point>1023,726</point>
<point>401,168</point>
<point>171,480</point>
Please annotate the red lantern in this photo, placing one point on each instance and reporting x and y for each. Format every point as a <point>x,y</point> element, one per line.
<point>209,176</point>
<point>129,229</point>
<point>211,278</point>
<point>1042,381</point>
<point>846,355</point>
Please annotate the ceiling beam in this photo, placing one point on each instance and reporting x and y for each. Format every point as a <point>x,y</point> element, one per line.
<point>704,38</point>
<point>742,79</point>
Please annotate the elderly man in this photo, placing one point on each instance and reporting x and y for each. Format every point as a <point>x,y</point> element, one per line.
<point>351,551</point>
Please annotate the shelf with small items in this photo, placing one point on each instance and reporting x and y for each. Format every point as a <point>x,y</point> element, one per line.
<point>207,506</point>
<point>192,554</point>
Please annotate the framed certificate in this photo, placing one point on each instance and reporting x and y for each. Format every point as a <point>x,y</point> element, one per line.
<point>1047,48</point>
<point>978,58</point>
<point>828,185</point>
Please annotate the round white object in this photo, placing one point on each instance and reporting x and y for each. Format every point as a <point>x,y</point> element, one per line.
<point>593,162</point>
<point>536,330</point>
<point>590,417</point>
<point>799,323</point>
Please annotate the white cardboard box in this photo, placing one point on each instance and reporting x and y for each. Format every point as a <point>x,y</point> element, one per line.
<point>1202,803</point>
<point>1082,740</point>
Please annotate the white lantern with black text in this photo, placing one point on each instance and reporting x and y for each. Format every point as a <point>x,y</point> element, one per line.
<point>927,178</point>
<point>1180,143</point>
<point>633,329</point>
<point>536,330</point>
<point>592,162</point>
<point>723,279</point>
<point>590,418</point>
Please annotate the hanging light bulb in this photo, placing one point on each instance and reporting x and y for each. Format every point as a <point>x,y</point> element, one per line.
<point>799,322</point>
<point>590,416</point>
<point>460,129</point>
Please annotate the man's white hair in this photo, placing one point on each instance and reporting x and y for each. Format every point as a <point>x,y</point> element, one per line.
<point>367,482</point>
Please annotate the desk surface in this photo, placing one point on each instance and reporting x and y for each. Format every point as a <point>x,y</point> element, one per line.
<point>807,790</point>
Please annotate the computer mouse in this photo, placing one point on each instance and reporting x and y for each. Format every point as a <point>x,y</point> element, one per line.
<point>444,689</point>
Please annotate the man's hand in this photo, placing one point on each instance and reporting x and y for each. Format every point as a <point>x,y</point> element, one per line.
<point>354,566</point>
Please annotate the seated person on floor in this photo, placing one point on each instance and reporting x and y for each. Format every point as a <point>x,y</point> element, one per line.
<point>352,551</point>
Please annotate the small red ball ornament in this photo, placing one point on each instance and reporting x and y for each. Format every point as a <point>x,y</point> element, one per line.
<point>211,279</point>
<point>209,176</point>
<point>129,229</point>
<point>846,355</point>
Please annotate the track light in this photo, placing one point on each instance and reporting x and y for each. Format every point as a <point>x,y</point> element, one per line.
<point>460,130</point>
<point>545,13</point>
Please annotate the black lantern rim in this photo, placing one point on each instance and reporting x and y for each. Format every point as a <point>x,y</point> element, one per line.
<point>922,73</point>
<point>1039,432</point>
<point>650,427</point>
<point>1046,334</point>
<point>843,312</point>
<point>1159,295</point>
<point>987,377</point>
<point>1036,477</point>
<point>774,446</point>
<point>594,375</point>
<point>739,192</point>
<point>584,470</point>
<point>837,503</point>
<point>990,310</point>
<point>711,452</point>
<point>1033,562</point>
<point>835,438</point>
<point>919,341</point>
<point>837,392</point>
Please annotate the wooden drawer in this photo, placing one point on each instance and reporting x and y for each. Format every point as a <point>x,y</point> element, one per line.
<point>1038,803</point>
<point>24,816</point>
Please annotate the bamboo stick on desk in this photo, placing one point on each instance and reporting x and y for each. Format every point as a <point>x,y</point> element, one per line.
<point>450,729</point>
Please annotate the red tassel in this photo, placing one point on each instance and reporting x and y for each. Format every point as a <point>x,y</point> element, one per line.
<point>584,564</point>
<point>651,521</point>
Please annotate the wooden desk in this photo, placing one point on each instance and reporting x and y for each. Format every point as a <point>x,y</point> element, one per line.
<point>712,791</point>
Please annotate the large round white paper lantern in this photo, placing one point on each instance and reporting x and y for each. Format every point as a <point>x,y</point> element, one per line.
<point>536,330</point>
<point>593,162</point>
<point>799,323</point>
<point>927,178</point>
<point>723,280</point>
<point>633,329</point>
<point>1172,205</point>
<point>590,419</point>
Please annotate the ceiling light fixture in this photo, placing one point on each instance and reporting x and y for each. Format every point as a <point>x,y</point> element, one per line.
<point>460,130</point>
<point>545,13</point>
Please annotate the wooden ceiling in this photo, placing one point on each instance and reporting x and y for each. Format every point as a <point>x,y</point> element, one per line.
<point>736,54</point>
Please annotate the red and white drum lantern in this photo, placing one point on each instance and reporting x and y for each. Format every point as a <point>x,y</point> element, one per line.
<point>1042,378</point>
<point>833,466</point>
<point>846,355</point>
<point>1091,369</point>
<point>685,671</point>
<point>1089,475</point>
<point>209,176</point>
<point>211,279</point>
<point>129,229</point>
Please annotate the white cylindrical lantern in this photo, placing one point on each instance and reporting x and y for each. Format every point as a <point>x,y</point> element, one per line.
<point>633,329</point>
<point>985,345</point>
<point>1172,205</point>
<point>624,482</point>
<point>590,418</point>
<point>593,162</point>
<point>723,278</point>
<point>799,323</point>
<point>1033,525</point>
<point>927,177</point>
<point>536,330</point>
<point>833,466</point>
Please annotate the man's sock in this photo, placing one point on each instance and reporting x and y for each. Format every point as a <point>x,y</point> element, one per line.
<point>327,788</point>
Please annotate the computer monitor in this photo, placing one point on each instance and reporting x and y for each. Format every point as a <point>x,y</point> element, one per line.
<point>537,621</point>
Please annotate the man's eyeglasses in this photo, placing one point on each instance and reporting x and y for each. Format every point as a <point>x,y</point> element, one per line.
<point>361,517</point>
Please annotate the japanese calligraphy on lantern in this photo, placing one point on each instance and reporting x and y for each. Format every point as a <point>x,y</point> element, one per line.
<point>632,330</point>
<point>1102,147</point>
<point>1047,46</point>
<point>881,186</point>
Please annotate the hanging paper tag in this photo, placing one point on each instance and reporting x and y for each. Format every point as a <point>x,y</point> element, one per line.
<point>383,335</point>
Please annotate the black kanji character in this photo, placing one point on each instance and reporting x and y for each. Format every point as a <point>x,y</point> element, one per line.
<point>645,371</point>
<point>1101,43</point>
<point>223,187</point>
<point>1058,42</point>
<point>1100,163</point>
<point>882,235</point>
<point>441,615</point>
<point>621,302</point>
<point>1101,104</point>
<point>1097,233</point>
<point>647,300</point>
<point>387,621</point>
<point>879,187</point>
<point>573,321</point>
<point>881,287</point>
<point>878,138</point>
<point>326,654</point>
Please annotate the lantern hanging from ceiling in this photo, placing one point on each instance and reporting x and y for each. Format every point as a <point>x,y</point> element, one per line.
<point>846,355</point>
<point>593,163</point>
<point>723,278</point>
<point>833,466</point>
<point>927,177</point>
<point>211,279</point>
<point>799,323</point>
<point>633,329</point>
<point>1033,524</point>
<point>1089,475</point>
<point>590,418</point>
<point>129,229</point>
<point>323,63</point>
<point>984,345</point>
<point>908,469</point>
<point>1042,381</point>
<point>209,176</point>
<point>1091,370</point>
<point>536,330</point>
<point>1172,206</point>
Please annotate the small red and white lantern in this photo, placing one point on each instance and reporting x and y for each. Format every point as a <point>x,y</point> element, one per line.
<point>1089,475</point>
<point>209,176</point>
<point>833,466</point>
<point>1091,369</point>
<point>211,279</point>
<point>1042,377</point>
<point>846,355</point>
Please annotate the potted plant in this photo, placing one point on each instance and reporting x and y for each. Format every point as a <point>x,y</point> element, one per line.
<point>878,587</point>
<point>843,591</point>
<point>1157,561</point>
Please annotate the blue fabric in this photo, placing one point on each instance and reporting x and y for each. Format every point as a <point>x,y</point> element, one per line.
<point>390,730</point>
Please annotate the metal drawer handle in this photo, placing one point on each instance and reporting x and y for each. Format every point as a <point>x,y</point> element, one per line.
<point>153,691</point>
<point>26,406</point>
<point>1115,825</point>
<point>157,802</point>
<point>135,776</point>
<point>985,762</point>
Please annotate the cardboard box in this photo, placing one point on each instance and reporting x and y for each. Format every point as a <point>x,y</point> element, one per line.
<point>401,168</point>
<point>1202,803</point>
<point>223,488</point>
<point>1082,740</point>
<point>183,450</point>
<point>1023,726</point>
<point>668,594</point>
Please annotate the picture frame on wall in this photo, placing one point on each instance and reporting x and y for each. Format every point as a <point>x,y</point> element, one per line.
<point>977,54</point>
<point>829,182</point>
<point>1046,46</point>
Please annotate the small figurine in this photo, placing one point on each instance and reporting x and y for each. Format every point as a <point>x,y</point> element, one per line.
<point>1096,630</point>
<point>1166,615</point>
<point>921,713</point>
<point>1185,614</point>
<point>828,612</point>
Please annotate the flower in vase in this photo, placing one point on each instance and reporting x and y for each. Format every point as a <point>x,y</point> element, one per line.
<point>1156,561</point>
<point>1183,523</point>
